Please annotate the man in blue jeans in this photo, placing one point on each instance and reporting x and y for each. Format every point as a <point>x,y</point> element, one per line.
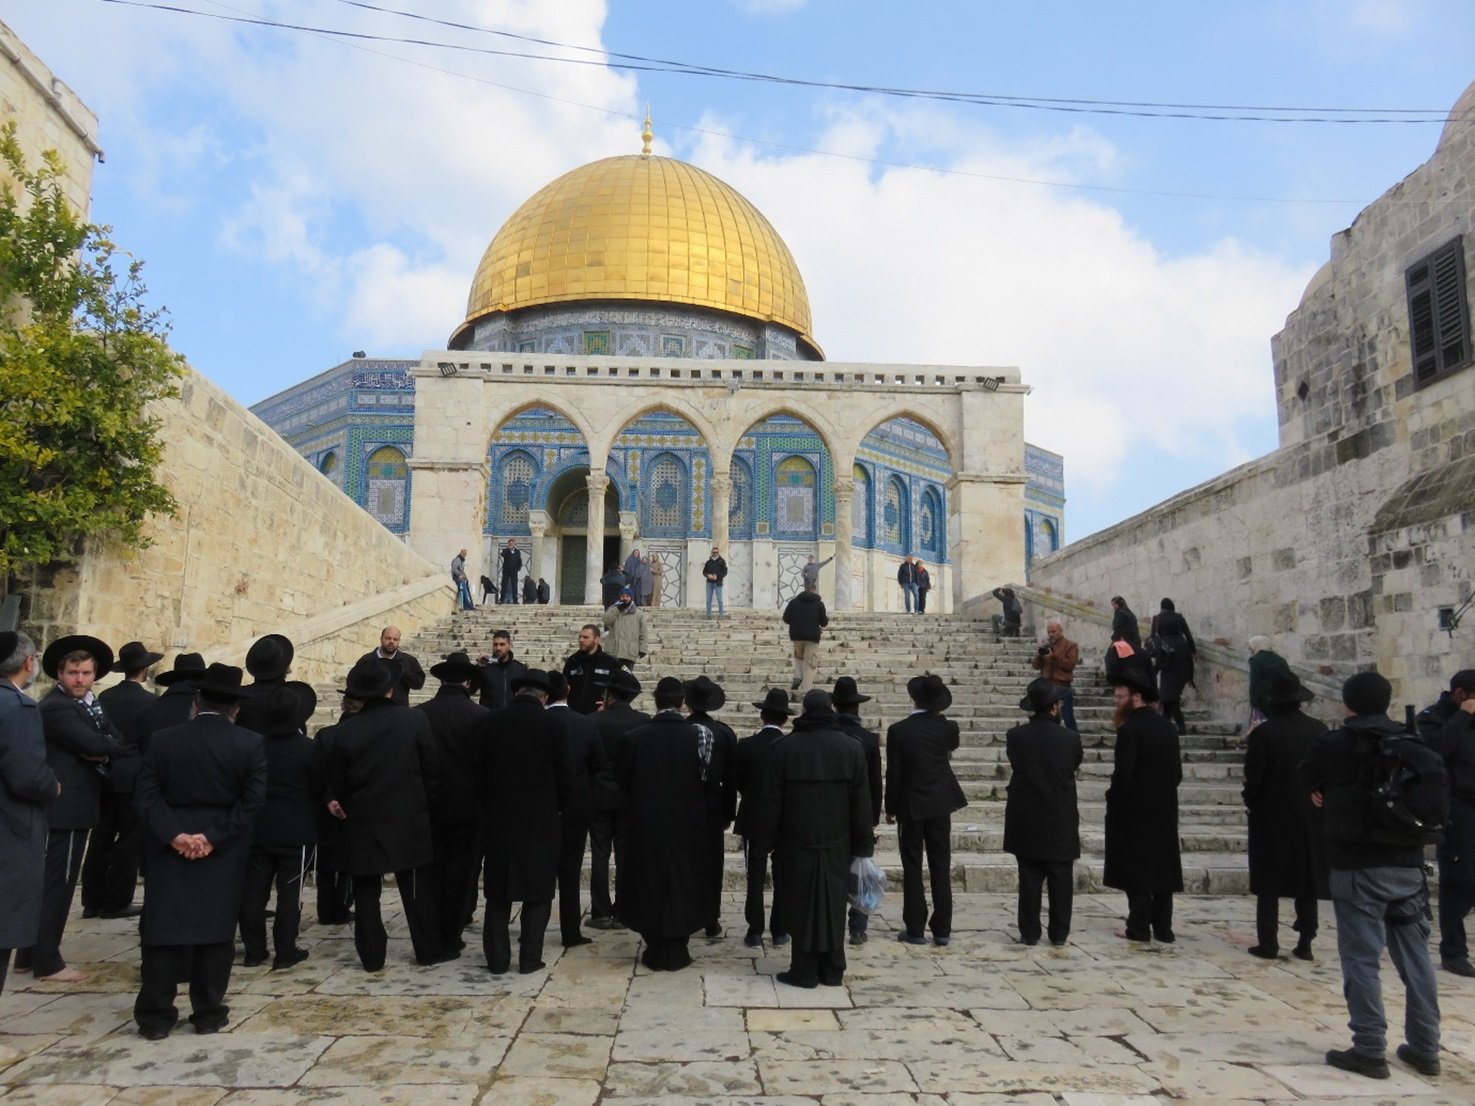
<point>1378,891</point>
<point>715,571</point>
<point>463,583</point>
<point>906,576</point>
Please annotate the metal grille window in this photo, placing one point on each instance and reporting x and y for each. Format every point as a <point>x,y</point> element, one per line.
<point>517,485</point>
<point>387,487</point>
<point>739,512</point>
<point>931,523</point>
<point>860,508</point>
<point>894,515</point>
<point>794,496</point>
<point>666,500</point>
<point>1438,314</point>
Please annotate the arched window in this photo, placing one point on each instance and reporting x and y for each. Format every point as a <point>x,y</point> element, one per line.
<point>516,487</point>
<point>1049,537</point>
<point>328,465</point>
<point>860,509</point>
<point>387,488</point>
<point>794,499</point>
<point>740,506</point>
<point>896,517</point>
<point>667,501</point>
<point>930,518</point>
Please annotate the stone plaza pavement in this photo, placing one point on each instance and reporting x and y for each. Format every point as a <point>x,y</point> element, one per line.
<point>984,1021</point>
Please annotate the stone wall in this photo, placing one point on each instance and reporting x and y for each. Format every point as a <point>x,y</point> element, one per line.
<point>1344,543</point>
<point>48,116</point>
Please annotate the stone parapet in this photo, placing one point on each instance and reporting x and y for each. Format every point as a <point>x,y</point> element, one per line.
<point>48,116</point>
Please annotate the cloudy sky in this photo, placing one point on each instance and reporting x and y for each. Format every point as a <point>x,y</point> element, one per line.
<point>299,195</point>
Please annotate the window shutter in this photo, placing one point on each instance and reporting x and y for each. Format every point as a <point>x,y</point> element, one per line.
<point>1438,316</point>
<point>1425,351</point>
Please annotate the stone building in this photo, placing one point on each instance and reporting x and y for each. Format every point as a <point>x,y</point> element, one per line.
<point>47,116</point>
<point>1353,543</point>
<point>637,349</point>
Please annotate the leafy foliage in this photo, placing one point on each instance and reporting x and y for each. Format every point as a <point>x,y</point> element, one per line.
<point>82,363</point>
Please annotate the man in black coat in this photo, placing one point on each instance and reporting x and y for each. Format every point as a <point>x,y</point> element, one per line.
<point>1124,625</point>
<point>509,561</point>
<point>110,872</point>
<point>335,884</point>
<point>816,816</point>
<point>459,728</point>
<point>1287,857</point>
<point>267,662</point>
<point>588,771</point>
<point>1042,821</point>
<point>177,704</point>
<point>587,668</point>
<point>199,792</point>
<point>381,770</point>
<point>528,783</point>
<point>411,675</point>
<point>847,699</point>
<point>714,572</point>
<point>1454,740</point>
<point>1175,656</point>
<point>1142,851</point>
<point>921,795</point>
<point>751,764</point>
<point>806,618</point>
<point>498,671</point>
<point>607,823</point>
<point>286,830</point>
<point>703,697</point>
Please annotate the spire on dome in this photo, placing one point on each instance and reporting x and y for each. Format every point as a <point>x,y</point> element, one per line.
<point>647,134</point>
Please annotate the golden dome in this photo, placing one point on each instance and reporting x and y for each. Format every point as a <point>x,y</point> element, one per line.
<point>647,229</point>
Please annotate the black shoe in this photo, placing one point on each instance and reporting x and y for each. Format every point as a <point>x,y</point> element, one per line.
<point>787,978</point>
<point>601,923</point>
<point>206,1028</point>
<point>1167,937</point>
<point>714,932</point>
<point>442,958</point>
<point>292,957</point>
<point>858,937</point>
<point>1302,951</point>
<point>780,940</point>
<point>1458,965</point>
<point>253,961</point>
<point>153,1032</point>
<point>941,942</point>
<point>1424,1065</point>
<point>753,940</point>
<point>529,969</point>
<point>577,940</point>
<point>126,912</point>
<point>1264,952</point>
<point>1374,1067</point>
<point>1060,944</point>
<point>911,938</point>
<point>96,912</point>
<point>832,980</point>
<point>1030,941</point>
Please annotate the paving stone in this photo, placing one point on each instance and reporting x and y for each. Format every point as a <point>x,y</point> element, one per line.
<point>168,1096</point>
<point>1211,1078</point>
<point>61,1094</point>
<point>666,1044</point>
<point>969,1074</point>
<point>445,1094</point>
<point>385,1061</point>
<point>779,1021</point>
<point>703,1077</point>
<point>567,1055</point>
<point>184,1058</point>
<point>90,1015</point>
<point>342,1016</point>
<point>1320,1080</point>
<point>537,1091</point>
<point>821,1076</point>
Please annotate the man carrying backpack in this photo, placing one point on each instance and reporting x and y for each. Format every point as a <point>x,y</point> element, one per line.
<point>1375,850</point>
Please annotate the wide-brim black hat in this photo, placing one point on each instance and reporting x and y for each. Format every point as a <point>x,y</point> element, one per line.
<point>704,694</point>
<point>9,639</point>
<point>136,655</point>
<point>776,702</point>
<point>101,653</point>
<point>289,706</point>
<point>622,682</point>
<point>1286,690</point>
<point>456,668</point>
<point>371,678</point>
<point>221,683</point>
<point>270,657</point>
<point>1041,695</point>
<point>846,692</point>
<point>1134,675</point>
<point>929,692</point>
<point>188,667</point>
<point>534,678</point>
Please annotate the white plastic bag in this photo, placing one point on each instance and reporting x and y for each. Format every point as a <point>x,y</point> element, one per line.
<point>867,885</point>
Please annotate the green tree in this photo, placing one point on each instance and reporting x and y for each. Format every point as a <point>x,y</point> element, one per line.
<point>83,363</point>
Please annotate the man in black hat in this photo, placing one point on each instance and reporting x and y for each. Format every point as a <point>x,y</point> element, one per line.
<point>703,697</point>
<point>1287,856</point>
<point>176,705</point>
<point>1041,818</point>
<point>498,671</point>
<point>751,763</point>
<point>80,740</point>
<point>921,795</point>
<point>847,699</point>
<point>267,662</point>
<point>1449,728</point>
<point>588,771</point>
<point>286,830</point>
<point>411,677</point>
<point>27,785</point>
<point>381,769</point>
<point>459,728</point>
<point>528,782</point>
<point>1379,892</point>
<point>671,780</point>
<point>110,871</point>
<point>607,824</point>
<point>1142,851</point>
<point>587,668</point>
<point>816,816</point>
<point>199,792</point>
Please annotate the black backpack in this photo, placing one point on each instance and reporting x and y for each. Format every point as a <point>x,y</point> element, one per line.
<point>1402,797</point>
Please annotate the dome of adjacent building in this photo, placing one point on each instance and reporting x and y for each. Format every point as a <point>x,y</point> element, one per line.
<point>642,229</point>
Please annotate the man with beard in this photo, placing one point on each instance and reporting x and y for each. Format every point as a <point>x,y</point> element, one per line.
<point>528,782</point>
<point>199,792</point>
<point>607,825</point>
<point>753,755</point>
<point>588,770</point>
<point>670,778</point>
<point>816,817</point>
<point>1041,817</point>
<point>703,697</point>
<point>1454,740</point>
<point>411,675</point>
<point>1142,856</point>
<point>510,560</point>
<point>498,671</point>
<point>587,668</point>
<point>1056,661</point>
<point>1287,858</point>
<point>458,727</point>
<point>625,630</point>
<point>847,699</point>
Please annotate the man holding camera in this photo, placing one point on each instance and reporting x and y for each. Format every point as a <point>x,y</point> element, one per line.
<point>1056,661</point>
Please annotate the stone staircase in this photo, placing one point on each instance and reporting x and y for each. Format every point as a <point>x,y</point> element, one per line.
<point>748,652</point>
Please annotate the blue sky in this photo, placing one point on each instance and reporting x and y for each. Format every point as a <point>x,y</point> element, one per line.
<point>298,198</point>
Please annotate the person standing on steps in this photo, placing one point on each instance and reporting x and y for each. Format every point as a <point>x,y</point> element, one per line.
<point>924,585</point>
<point>625,636</point>
<point>714,572</point>
<point>586,669</point>
<point>632,569</point>
<point>1056,661</point>
<point>806,618</point>
<point>462,581</point>
<point>810,572</point>
<point>510,564</point>
<point>498,671</point>
<point>411,677</point>
<point>847,699</point>
<point>1008,624</point>
<point>753,755</point>
<point>655,573</point>
<point>1124,624</point>
<point>1172,649</point>
<point>906,578</point>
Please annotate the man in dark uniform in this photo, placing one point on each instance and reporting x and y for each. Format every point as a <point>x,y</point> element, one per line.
<point>1042,821</point>
<point>510,561</point>
<point>199,792</point>
<point>816,816</point>
<point>177,704</point>
<point>589,771</point>
<point>411,675</point>
<point>527,784</point>
<point>607,824</point>
<point>380,772</point>
<point>703,697</point>
<point>110,872</point>
<point>498,671</point>
<point>459,728</point>
<point>586,669</point>
<point>751,769</point>
<point>847,699</point>
<point>921,795</point>
<point>1449,728</point>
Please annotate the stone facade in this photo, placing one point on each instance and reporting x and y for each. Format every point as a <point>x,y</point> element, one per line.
<point>1345,543</point>
<point>48,116</point>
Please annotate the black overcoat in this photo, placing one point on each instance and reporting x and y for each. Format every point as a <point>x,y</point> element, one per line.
<point>255,714</point>
<point>1124,627</point>
<point>207,776</point>
<point>170,709</point>
<point>27,785</point>
<point>919,780</point>
<point>332,852</point>
<point>666,890</point>
<point>615,722</point>
<point>294,793</point>
<point>806,616</point>
<point>588,770</point>
<point>1142,847</point>
<point>1287,856</point>
<point>72,736</point>
<point>723,803</point>
<point>751,766</point>
<point>459,728</point>
<point>582,671</point>
<point>496,682</point>
<point>1174,671</point>
<point>816,816</point>
<point>411,675</point>
<point>1042,820</point>
<point>124,706</point>
<point>529,780</point>
<point>1455,742</point>
<point>870,741</point>
<point>381,768</point>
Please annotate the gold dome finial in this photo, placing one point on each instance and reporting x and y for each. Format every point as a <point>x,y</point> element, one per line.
<point>647,134</point>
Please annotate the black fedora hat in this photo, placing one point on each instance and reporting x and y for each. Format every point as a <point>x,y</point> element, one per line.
<point>929,692</point>
<point>270,657</point>
<point>456,668</point>
<point>101,654</point>
<point>846,692</point>
<point>1134,675</point>
<point>136,655</point>
<point>188,667</point>
<point>704,694</point>
<point>817,701</point>
<point>371,678</point>
<point>222,683</point>
<point>1286,690</point>
<point>776,702</point>
<point>1041,695</point>
<point>289,706</point>
<point>622,682</point>
<point>9,639</point>
<point>534,678</point>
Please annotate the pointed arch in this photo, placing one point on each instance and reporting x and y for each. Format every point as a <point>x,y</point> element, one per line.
<point>862,508</point>
<point>387,487</point>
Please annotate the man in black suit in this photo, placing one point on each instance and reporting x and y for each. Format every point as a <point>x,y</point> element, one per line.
<point>921,795</point>
<point>753,754</point>
<point>589,772</point>
<point>607,825</point>
<point>267,662</point>
<point>177,704</point>
<point>1041,818</point>
<point>411,676</point>
<point>199,792</point>
<point>703,697</point>
<point>497,672</point>
<point>847,699</point>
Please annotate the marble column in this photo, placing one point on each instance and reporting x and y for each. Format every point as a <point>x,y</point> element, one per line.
<point>844,493</point>
<point>721,506</point>
<point>538,526</point>
<point>597,483</point>
<point>628,526</point>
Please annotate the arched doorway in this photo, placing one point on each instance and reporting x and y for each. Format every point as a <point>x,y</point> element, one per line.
<point>568,508</point>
